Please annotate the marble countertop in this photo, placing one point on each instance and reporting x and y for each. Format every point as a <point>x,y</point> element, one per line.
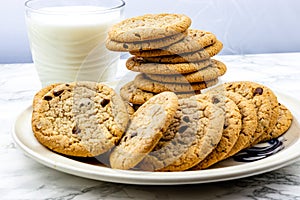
<point>23,178</point>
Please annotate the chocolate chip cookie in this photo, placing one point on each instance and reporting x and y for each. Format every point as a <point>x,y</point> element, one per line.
<point>79,119</point>
<point>148,124</point>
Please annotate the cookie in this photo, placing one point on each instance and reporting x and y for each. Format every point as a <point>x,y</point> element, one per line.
<point>192,135</point>
<point>79,119</point>
<point>147,127</point>
<point>215,70</point>
<point>144,45</point>
<point>197,56</point>
<point>149,27</point>
<point>138,64</point>
<point>261,97</point>
<point>130,93</point>
<point>196,40</point>
<point>249,122</point>
<point>231,130</point>
<point>283,123</point>
<point>144,83</point>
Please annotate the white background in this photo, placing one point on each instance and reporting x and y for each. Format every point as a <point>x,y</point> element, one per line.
<point>244,26</point>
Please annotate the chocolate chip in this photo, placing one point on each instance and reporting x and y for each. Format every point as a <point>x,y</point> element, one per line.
<point>125,138</point>
<point>137,35</point>
<point>67,85</point>
<point>125,46</point>
<point>182,129</point>
<point>258,91</point>
<point>47,98</point>
<point>57,93</point>
<point>215,100</point>
<point>186,119</point>
<point>104,102</point>
<point>76,130</point>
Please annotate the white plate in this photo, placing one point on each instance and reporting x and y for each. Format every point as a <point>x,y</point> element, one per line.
<point>225,170</point>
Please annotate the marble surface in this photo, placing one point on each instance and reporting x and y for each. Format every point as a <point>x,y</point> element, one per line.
<point>23,178</point>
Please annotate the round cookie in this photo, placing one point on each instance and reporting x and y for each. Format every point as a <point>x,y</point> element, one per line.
<point>147,126</point>
<point>79,119</point>
<point>130,93</point>
<point>284,121</point>
<point>248,114</point>
<point>149,27</point>
<point>138,64</point>
<point>260,97</point>
<point>274,113</point>
<point>143,83</point>
<point>249,121</point>
<point>231,130</point>
<point>192,135</point>
<point>215,70</point>
<point>197,56</point>
<point>144,45</point>
<point>196,40</point>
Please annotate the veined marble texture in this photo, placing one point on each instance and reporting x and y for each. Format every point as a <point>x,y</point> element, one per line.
<point>23,178</point>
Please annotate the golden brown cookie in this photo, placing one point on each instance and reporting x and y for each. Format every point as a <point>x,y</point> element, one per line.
<point>249,122</point>
<point>143,45</point>
<point>147,127</point>
<point>264,101</point>
<point>149,27</point>
<point>215,70</point>
<point>196,40</point>
<point>283,123</point>
<point>140,65</point>
<point>144,83</point>
<point>79,119</point>
<point>192,57</point>
<point>231,130</point>
<point>193,134</point>
<point>130,93</point>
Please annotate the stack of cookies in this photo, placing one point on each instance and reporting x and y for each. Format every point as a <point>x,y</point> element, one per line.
<point>168,55</point>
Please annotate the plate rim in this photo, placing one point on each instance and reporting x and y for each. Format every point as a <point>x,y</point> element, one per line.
<point>276,161</point>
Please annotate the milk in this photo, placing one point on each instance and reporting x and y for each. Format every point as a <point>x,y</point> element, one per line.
<point>67,44</point>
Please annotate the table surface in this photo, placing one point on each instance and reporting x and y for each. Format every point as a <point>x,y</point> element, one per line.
<point>23,178</point>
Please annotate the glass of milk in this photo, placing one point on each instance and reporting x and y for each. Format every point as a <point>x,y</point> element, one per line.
<point>67,39</point>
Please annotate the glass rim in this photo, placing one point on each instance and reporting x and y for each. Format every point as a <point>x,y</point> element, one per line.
<point>38,10</point>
